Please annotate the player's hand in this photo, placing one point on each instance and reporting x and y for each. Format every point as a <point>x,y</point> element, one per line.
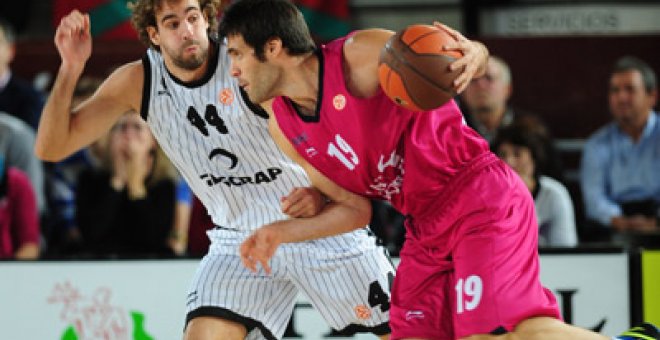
<point>259,247</point>
<point>303,202</point>
<point>641,223</point>
<point>73,39</point>
<point>473,62</point>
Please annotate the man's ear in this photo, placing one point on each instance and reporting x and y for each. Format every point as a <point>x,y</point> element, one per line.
<point>273,47</point>
<point>154,36</point>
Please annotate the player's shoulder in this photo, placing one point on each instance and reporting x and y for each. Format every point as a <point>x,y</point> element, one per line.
<point>130,71</point>
<point>364,45</point>
<point>365,41</point>
<point>126,82</point>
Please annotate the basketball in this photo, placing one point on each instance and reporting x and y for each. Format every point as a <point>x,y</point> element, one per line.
<point>413,69</point>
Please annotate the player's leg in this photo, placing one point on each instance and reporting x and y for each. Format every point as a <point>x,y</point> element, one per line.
<point>347,279</point>
<point>496,284</point>
<point>421,303</point>
<point>544,328</point>
<point>552,329</point>
<point>211,328</point>
<point>226,298</point>
<point>497,289</point>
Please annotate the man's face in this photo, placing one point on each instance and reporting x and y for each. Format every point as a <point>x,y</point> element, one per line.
<point>518,157</point>
<point>181,33</point>
<point>629,101</point>
<point>6,52</point>
<point>489,92</point>
<point>258,78</point>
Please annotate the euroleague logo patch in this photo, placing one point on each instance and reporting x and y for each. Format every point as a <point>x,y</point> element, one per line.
<point>339,102</point>
<point>226,96</point>
<point>362,312</point>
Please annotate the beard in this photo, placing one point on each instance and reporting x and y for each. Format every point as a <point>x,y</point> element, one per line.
<point>194,61</point>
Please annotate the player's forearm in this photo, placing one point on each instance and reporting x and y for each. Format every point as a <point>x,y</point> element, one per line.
<point>334,219</point>
<point>55,124</point>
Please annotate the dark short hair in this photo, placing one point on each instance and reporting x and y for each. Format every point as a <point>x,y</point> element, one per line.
<point>630,63</point>
<point>258,21</point>
<point>520,134</point>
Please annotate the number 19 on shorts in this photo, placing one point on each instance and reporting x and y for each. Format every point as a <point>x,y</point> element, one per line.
<point>468,293</point>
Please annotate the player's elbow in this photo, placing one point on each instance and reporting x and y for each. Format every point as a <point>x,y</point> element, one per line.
<point>48,153</point>
<point>363,212</point>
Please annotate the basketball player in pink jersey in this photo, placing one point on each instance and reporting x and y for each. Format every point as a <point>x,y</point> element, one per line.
<point>469,268</point>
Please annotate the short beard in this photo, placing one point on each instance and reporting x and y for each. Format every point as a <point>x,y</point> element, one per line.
<point>192,63</point>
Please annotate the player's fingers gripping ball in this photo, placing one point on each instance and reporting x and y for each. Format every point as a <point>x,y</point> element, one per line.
<point>413,68</point>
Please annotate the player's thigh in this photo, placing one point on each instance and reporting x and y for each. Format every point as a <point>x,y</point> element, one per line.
<point>223,288</point>
<point>421,296</point>
<point>542,328</point>
<point>213,328</point>
<point>496,282</point>
<point>348,289</point>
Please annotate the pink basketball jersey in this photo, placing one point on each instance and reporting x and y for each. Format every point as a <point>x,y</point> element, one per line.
<point>376,148</point>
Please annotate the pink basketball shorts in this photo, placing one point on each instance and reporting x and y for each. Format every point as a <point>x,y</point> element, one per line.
<point>473,267</point>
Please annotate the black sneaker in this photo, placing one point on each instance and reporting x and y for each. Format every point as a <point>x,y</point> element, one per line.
<point>646,331</point>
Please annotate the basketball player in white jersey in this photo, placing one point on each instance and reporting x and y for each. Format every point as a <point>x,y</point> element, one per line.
<point>220,144</point>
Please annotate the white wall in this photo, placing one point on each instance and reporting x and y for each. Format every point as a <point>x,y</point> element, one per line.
<point>102,295</point>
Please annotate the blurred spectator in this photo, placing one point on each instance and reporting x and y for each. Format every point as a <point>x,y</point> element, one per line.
<point>62,233</point>
<point>200,222</point>
<point>621,161</point>
<point>522,148</point>
<point>387,224</point>
<point>17,96</point>
<point>19,217</point>
<point>17,145</point>
<point>127,207</point>
<point>485,103</point>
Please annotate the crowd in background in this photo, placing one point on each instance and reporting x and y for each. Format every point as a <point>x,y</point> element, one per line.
<point>121,197</point>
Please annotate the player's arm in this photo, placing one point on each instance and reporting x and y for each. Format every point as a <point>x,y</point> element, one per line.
<point>362,51</point>
<point>345,212</point>
<point>62,130</point>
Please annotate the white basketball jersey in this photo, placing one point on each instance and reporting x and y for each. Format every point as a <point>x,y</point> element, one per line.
<point>219,143</point>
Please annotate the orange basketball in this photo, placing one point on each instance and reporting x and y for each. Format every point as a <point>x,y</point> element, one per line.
<point>413,69</point>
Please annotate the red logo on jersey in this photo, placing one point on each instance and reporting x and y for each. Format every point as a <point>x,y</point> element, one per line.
<point>339,101</point>
<point>362,312</point>
<point>226,96</point>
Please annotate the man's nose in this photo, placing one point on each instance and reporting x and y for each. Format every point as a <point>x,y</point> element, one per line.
<point>235,72</point>
<point>187,30</point>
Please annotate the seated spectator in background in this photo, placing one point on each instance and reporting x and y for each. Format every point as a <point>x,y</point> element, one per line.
<point>127,207</point>
<point>485,103</point>
<point>17,96</point>
<point>522,148</point>
<point>200,223</point>
<point>387,223</point>
<point>19,217</point>
<point>62,234</point>
<point>17,146</point>
<point>621,161</point>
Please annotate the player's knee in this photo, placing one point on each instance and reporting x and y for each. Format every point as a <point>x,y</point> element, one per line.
<point>538,328</point>
<point>212,328</point>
